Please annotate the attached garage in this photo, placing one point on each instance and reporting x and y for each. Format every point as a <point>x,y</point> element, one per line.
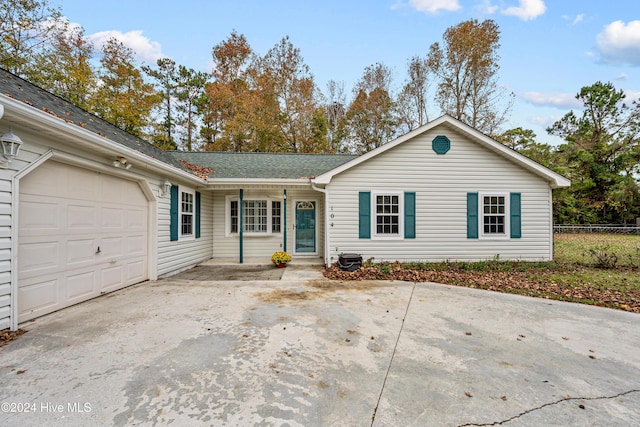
<point>81,234</point>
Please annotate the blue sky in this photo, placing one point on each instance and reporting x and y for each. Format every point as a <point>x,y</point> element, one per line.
<point>549,48</point>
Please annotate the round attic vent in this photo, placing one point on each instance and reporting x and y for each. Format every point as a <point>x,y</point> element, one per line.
<point>441,144</point>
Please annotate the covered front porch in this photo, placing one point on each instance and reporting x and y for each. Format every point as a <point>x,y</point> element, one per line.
<point>251,222</point>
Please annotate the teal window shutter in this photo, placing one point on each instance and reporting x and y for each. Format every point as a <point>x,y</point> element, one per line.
<point>409,215</point>
<point>364,213</point>
<point>173,214</point>
<point>515,214</point>
<point>472,215</point>
<point>197,214</point>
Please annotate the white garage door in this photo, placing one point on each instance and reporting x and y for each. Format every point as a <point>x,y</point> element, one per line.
<point>82,234</point>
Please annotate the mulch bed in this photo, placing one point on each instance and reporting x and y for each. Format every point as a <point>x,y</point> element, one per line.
<point>515,282</point>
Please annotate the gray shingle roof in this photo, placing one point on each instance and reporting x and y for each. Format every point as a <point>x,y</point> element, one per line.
<point>264,165</point>
<point>224,164</point>
<point>21,90</point>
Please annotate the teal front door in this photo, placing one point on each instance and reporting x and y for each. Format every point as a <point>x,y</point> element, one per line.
<point>305,235</point>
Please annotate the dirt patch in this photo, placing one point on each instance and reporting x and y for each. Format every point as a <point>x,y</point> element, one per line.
<point>282,295</point>
<point>323,286</point>
<point>341,285</point>
<point>231,272</point>
<point>6,335</point>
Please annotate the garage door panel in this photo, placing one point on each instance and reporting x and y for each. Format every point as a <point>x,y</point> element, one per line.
<point>113,218</point>
<point>80,286</point>
<point>38,258</point>
<point>40,297</point>
<point>62,225</point>
<point>112,190</point>
<point>136,245</point>
<point>82,218</point>
<point>50,179</point>
<point>114,247</point>
<point>81,252</point>
<point>37,216</point>
<point>111,278</point>
<point>82,184</point>
<point>137,219</point>
<point>136,271</point>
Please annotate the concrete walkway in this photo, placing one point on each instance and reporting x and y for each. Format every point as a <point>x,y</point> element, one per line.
<point>305,351</point>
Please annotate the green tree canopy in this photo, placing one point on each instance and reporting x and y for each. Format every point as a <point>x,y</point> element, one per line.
<point>601,156</point>
<point>123,97</point>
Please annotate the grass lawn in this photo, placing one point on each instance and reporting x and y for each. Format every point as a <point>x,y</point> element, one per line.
<point>595,269</point>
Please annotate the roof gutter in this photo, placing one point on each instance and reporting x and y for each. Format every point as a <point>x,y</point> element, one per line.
<point>89,138</point>
<point>264,181</point>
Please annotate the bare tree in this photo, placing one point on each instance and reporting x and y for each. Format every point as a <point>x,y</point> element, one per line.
<point>467,66</point>
<point>412,100</point>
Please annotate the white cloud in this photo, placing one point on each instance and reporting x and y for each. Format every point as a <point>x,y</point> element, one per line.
<point>622,76</point>
<point>579,18</point>
<point>145,50</point>
<point>434,6</point>
<point>619,43</point>
<point>544,121</point>
<point>526,9</point>
<point>558,100</point>
<point>486,8</point>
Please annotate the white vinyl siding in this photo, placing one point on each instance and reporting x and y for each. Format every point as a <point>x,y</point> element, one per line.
<point>28,153</point>
<point>5,249</point>
<point>174,256</point>
<point>441,184</point>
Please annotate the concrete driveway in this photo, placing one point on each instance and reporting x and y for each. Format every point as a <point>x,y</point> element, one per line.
<point>304,351</point>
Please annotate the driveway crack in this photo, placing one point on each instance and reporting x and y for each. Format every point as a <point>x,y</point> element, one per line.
<point>566,399</point>
<point>393,354</point>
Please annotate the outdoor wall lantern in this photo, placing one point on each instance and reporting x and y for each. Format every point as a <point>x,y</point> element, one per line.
<point>121,162</point>
<point>10,145</point>
<point>166,188</point>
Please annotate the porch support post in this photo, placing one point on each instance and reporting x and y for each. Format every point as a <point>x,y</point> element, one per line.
<point>284,230</point>
<point>241,226</point>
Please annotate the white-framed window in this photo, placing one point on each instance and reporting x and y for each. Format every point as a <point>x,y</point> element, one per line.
<point>494,215</point>
<point>388,214</point>
<point>187,210</point>
<point>276,216</point>
<point>260,216</point>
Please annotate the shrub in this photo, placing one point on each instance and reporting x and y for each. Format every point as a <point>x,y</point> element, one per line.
<point>603,256</point>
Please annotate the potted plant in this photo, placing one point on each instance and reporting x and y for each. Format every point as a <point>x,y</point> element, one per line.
<point>280,258</point>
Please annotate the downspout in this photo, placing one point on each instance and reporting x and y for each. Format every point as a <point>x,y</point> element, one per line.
<point>327,245</point>
<point>13,284</point>
<point>552,237</point>
<point>284,230</point>
<point>240,226</point>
